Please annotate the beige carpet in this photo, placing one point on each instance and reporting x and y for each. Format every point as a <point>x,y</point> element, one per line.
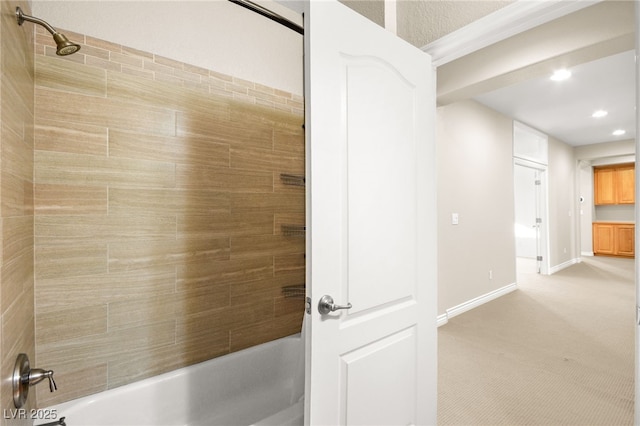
<point>557,351</point>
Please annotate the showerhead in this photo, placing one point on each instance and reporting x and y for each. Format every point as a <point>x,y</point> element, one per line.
<point>64,46</point>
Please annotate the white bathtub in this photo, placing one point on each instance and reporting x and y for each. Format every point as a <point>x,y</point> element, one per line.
<point>262,385</point>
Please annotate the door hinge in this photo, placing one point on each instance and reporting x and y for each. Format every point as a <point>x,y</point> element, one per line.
<point>538,182</point>
<point>539,258</point>
<point>638,315</point>
<point>538,220</point>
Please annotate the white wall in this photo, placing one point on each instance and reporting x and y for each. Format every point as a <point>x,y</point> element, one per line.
<point>562,204</point>
<point>585,207</point>
<point>475,180</point>
<point>216,35</point>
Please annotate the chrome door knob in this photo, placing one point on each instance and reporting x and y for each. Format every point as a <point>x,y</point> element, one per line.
<point>326,305</point>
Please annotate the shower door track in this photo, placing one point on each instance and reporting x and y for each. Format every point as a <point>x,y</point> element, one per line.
<point>269,14</point>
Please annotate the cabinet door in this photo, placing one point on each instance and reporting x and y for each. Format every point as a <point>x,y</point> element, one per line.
<point>604,238</point>
<point>625,185</point>
<point>604,186</point>
<point>625,240</point>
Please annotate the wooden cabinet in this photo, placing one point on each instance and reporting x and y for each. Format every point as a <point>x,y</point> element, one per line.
<point>626,186</point>
<point>614,239</point>
<point>625,240</point>
<point>614,184</point>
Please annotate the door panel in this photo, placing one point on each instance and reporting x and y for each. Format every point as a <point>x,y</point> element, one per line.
<point>626,185</point>
<point>605,186</point>
<point>393,360</point>
<point>603,238</point>
<point>380,184</point>
<point>370,112</point>
<point>625,240</point>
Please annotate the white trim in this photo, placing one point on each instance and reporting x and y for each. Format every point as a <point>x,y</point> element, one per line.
<point>513,19</point>
<point>442,320</point>
<point>563,265</point>
<point>474,303</point>
<point>587,253</point>
<point>390,16</point>
<point>544,240</point>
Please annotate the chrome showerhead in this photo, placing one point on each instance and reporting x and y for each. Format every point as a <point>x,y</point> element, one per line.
<point>64,46</point>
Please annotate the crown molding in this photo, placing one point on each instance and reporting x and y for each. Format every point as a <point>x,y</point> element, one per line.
<point>513,19</point>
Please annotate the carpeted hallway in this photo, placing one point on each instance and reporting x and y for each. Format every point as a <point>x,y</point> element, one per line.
<point>557,351</point>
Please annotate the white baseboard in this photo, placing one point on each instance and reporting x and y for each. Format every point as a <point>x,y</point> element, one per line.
<point>474,303</point>
<point>562,266</point>
<point>587,253</point>
<point>442,320</point>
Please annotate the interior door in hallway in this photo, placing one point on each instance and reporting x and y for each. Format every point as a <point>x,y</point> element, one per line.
<point>370,104</point>
<point>529,215</point>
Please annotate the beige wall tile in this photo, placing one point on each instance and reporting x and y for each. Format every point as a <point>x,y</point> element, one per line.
<point>78,139</point>
<point>225,131</point>
<point>227,180</point>
<point>158,209</point>
<point>141,311</point>
<point>70,260</point>
<point>17,324</point>
<point>58,230</point>
<point>189,150</point>
<point>291,201</point>
<point>52,199</point>
<point>224,224</point>
<point>167,201</point>
<point>259,245</point>
<point>73,323</point>
<point>255,334</point>
<point>17,237</point>
<point>52,293</point>
<point>149,254</point>
<point>232,272</point>
<point>17,195</point>
<point>53,73</point>
<point>267,160</point>
<point>289,264</point>
<point>65,168</point>
<point>17,156</point>
<point>74,381</point>
<point>94,110</point>
<point>103,347</point>
<point>196,300</point>
<point>16,276</point>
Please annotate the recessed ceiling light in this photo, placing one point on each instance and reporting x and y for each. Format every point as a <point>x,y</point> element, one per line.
<point>599,113</point>
<point>619,132</point>
<point>560,75</point>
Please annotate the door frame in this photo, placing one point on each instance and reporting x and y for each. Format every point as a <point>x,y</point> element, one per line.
<point>542,204</point>
<point>514,19</point>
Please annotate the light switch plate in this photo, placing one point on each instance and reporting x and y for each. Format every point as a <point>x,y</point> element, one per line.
<point>455,218</point>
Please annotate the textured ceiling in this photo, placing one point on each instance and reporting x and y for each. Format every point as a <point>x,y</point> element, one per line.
<point>421,22</point>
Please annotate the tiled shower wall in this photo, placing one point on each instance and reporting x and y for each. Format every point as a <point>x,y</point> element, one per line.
<point>16,202</point>
<point>158,213</point>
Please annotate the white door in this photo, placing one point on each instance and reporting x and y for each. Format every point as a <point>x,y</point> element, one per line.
<point>526,212</point>
<point>530,213</point>
<point>371,240</point>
